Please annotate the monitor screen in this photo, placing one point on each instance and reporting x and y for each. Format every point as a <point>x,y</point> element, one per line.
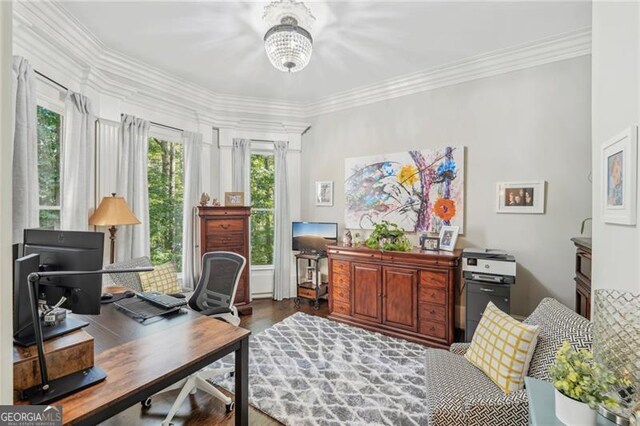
<point>313,236</point>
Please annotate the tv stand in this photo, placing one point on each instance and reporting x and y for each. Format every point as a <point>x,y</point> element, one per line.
<point>67,326</point>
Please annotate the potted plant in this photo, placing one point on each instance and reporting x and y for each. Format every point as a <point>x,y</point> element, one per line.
<point>388,236</point>
<point>580,386</point>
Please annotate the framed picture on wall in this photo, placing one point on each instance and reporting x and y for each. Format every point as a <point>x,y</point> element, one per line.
<point>324,193</point>
<point>234,199</point>
<point>619,170</point>
<point>521,197</point>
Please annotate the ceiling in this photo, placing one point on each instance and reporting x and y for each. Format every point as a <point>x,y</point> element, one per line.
<point>219,45</point>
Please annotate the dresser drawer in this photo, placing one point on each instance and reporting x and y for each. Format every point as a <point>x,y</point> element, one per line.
<point>222,240</point>
<point>225,225</point>
<point>341,280</point>
<point>342,308</point>
<point>433,329</point>
<point>306,293</point>
<point>433,295</point>
<point>340,267</point>
<point>434,279</point>
<point>433,312</point>
<point>341,294</point>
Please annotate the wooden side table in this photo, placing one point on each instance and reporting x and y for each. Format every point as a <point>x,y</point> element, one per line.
<point>542,405</point>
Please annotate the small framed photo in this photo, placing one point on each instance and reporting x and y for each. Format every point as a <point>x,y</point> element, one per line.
<point>234,199</point>
<point>521,197</point>
<point>324,193</point>
<point>448,237</point>
<point>429,243</point>
<point>619,170</point>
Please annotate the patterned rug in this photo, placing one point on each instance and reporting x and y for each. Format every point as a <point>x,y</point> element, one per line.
<point>308,370</point>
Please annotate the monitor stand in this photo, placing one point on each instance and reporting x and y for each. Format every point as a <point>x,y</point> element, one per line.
<point>66,326</point>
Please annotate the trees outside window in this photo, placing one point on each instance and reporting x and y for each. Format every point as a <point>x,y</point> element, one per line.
<point>262,208</point>
<point>166,193</point>
<point>49,145</point>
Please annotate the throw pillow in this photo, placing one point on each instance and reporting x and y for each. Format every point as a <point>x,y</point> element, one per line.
<point>130,280</point>
<point>502,348</point>
<point>163,279</point>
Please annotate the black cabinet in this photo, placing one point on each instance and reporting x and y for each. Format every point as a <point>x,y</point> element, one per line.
<point>479,294</point>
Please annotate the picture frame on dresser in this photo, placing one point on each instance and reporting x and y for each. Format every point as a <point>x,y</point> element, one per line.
<point>448,238</point>
<point>619,172</point>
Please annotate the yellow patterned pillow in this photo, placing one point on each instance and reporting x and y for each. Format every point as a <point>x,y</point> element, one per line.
<point>502,348</point>
<point>163,279</point>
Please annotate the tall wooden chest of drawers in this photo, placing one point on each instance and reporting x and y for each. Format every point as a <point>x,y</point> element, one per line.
<point>227,229</point>
<point>409,295</point>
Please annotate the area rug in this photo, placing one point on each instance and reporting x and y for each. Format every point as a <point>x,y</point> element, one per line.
<point>308,370</point>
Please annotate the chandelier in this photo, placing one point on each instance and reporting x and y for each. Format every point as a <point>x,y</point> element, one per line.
<point>287,43</point>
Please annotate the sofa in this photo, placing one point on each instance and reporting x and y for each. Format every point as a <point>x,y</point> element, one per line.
<point>458,393</point>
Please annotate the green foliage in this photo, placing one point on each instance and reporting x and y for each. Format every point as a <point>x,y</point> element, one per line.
<point>577,376</point>
<point>49,127</point>
<point>388,236</point>
<point>262,184</point>
<point>166,194</point>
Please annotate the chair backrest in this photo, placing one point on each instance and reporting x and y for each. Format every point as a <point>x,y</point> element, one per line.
<point>218,282</point>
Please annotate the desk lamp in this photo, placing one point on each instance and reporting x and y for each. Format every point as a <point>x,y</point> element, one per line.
<point>51,390</point>
<point>113,211</point>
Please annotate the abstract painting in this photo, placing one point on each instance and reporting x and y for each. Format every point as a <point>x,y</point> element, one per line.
<point>420,191</point>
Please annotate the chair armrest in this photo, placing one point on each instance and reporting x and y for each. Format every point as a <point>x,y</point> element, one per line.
<point>505,410</point>
<point>216,311</point>
<point>459,348</point>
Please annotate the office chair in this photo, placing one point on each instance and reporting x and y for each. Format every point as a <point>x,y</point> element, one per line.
<point>213,296</point>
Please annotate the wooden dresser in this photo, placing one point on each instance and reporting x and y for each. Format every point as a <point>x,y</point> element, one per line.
<point>227,229</point>
<point>409,295</point>
<point>583,276</point>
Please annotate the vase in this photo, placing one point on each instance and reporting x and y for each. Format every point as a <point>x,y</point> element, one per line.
<point>572,412</point>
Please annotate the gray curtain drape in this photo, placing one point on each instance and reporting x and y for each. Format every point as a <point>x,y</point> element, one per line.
<point>25,149</point>
<point>282,240</point>
<point>133,240</point>
<point>192,189</point>
<point>241,157</point>
<point>77,166</point>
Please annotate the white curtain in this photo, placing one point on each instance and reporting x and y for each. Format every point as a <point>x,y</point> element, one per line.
<point>77,169</point>
<point>25,149</point>
<point>133,240</point>
<point>192,190</point>
<point>282,240</point>
<point>241,157</point>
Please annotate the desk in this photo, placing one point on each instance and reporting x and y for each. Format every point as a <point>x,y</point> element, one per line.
<point>141,359</point>
<point>542,405</point>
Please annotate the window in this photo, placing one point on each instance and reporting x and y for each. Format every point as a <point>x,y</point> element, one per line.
<point>166,189</point>
<point>49,136</point>
<point>262,208</point>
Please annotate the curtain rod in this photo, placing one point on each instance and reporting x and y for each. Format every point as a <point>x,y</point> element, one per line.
<point>161,125</point>
<point>50,79</point>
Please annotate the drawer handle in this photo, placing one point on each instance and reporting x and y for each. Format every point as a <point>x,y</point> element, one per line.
<point>432,328</point>
<point>487,290</point>
<point>433,295</point>
<point>224,225</point>
<point>432,312</point>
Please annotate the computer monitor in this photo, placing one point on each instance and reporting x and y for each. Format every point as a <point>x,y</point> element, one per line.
<point>69,251</point>
<point>45,251</point>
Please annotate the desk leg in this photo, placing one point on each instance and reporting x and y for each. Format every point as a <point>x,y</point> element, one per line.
<point>242,383</point>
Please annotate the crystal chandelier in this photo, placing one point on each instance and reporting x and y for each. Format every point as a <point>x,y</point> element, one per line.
<point>287,43</point>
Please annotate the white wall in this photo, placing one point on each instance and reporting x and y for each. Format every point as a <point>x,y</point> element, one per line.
<point>616,106</point>
<point>529,124</point>
<point>6,149</point>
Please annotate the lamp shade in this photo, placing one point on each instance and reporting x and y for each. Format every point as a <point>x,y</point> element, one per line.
<point>113,211</point>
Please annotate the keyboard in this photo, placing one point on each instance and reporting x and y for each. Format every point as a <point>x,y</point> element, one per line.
<point>162,300</point>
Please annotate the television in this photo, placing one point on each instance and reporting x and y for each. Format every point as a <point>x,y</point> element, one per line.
<point>313,237</point>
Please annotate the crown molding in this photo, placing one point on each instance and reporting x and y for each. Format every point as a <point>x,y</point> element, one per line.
<point>58,41</point>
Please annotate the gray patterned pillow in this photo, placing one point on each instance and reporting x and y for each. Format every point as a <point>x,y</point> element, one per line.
<point>557,324</point>
<point>130,280</point>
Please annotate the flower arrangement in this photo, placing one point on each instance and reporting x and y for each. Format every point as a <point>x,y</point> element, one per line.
<point>388,236</point>
<point>578,377</point>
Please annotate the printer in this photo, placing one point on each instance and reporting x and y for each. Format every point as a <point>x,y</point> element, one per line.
<point>488,275</point>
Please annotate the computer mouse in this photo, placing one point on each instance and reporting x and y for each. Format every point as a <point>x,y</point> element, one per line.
<point>129,293</point>
<point>177,295</point>
<point>106,296</point>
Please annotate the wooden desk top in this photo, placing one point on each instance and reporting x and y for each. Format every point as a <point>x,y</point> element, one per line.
<point>142,358</point>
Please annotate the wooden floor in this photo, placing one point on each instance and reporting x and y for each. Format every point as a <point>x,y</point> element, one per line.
<point>201,409</point>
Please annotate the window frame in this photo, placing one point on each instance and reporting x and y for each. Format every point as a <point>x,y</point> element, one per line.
<point>58,108</point>
<point>264,152</point>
